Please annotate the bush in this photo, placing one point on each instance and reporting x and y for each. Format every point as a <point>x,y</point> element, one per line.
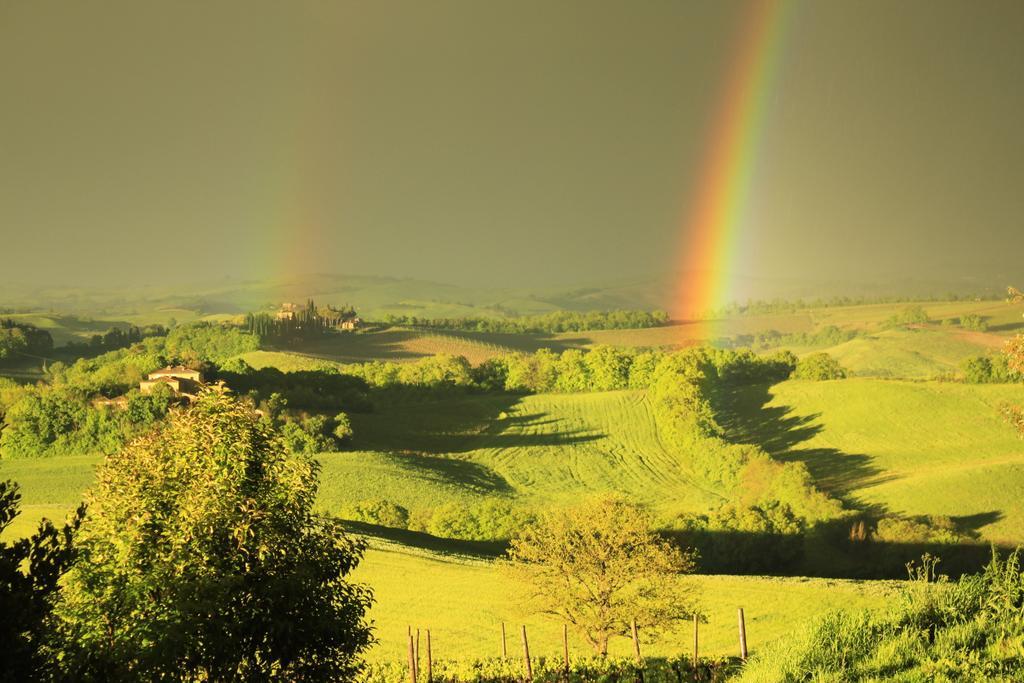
<point>342,431</point>
<point>491,520</point>
<point>380,511</point>
<point>819,367</point>
<point>989,370</point>
<point>970,630</point>
<point>913,315</point>
<point>974,322</point>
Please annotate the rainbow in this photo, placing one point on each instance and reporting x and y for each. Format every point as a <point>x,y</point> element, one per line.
<point>714,224</point>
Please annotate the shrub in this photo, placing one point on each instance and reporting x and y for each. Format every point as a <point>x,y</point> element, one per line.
<point>969,630</point>
<point>490,520</point>
<point>973,321</point>
<point>819,367</point>
<point>382,512</point>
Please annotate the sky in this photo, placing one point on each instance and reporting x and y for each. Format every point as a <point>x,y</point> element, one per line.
<point>526,143</point>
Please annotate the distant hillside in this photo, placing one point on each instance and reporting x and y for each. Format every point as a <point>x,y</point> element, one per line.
<point>375,297</point>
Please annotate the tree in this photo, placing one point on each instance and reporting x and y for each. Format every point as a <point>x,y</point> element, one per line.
<point>599,566</point>
<point>30,571</point>
<point>1014,353</point>
<point>819,367</point>
<point>973,321</point>
<point>342,428</point>
<point>201,558</point>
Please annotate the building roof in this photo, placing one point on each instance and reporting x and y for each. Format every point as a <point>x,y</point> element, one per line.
<point>172,369</point>
<point>161,380</point>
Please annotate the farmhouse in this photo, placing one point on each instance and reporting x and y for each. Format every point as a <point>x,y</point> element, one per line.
<point>288,311</point>
<point>182,381</point>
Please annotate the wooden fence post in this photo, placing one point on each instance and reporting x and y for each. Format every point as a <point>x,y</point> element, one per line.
<point>526,656</point>
<point>636,641</point>
<point>696,659</point>
<point>430,660</point>
<point>565,649</point>
<point>743,636</point>
<point>417,653</point>
<point>636,652</point>
<point>412,660</point>
<point>504,643</point>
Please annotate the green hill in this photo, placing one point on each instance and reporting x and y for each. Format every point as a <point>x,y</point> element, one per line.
<point>915,448</point>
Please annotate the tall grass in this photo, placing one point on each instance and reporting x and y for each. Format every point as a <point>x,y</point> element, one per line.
<point>970,630</point>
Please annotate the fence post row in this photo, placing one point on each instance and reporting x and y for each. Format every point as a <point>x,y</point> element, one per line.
<point>414,648</point>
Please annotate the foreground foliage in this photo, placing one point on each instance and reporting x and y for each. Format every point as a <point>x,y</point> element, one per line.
<point>970,630</point>
<point>30,570</point>
<point>551,670</point>
<point>201,558</point>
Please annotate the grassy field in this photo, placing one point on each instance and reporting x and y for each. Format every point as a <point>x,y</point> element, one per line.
<point>909,447</point>
<point>464,602</point>
<point>1002,318</point>
<point>916,448</point>
<point>542,450</point>
<point>906,447</point>
<point>50,487</point>
<point>911,353</point>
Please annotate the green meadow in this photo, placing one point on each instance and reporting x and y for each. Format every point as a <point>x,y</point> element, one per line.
<point>464,602</point>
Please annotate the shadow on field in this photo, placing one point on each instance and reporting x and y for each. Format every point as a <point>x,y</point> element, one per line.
<point>424,541</point>
<point>839,548</point>
<point>1006,327</point>
<point>465,473</point>
<point>459,423</point>
<point>744,413</point>
<point>428,435</point>
<point>828,550</point>
<point>387,344</point>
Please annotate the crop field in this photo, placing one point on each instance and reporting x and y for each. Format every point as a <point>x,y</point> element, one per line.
<point>917,448</point>
<point>543,450</point>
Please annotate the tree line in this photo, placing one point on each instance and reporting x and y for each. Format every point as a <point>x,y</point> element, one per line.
<point>307,322</point>
<point>18,338</point>
<point>546,323</point>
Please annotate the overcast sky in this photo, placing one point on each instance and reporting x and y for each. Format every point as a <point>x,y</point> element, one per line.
<point>499,143</point>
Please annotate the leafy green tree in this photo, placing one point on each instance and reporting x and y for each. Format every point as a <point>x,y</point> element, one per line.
<point>609,368</point>
<point>201,558</point>
<point>819,367</point>
<point>342,428</point>
<point>599,566</point>
<point>12,341</point>
<point>974,322</point>
<point>382,512</point>
<point>30,571</point>
<point>1014,353</point>
<point>572,372</point>
<point>978,370</point>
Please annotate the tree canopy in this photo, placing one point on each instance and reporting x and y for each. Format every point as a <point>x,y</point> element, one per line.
<point>598,567</point>
<point>201,558</point>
